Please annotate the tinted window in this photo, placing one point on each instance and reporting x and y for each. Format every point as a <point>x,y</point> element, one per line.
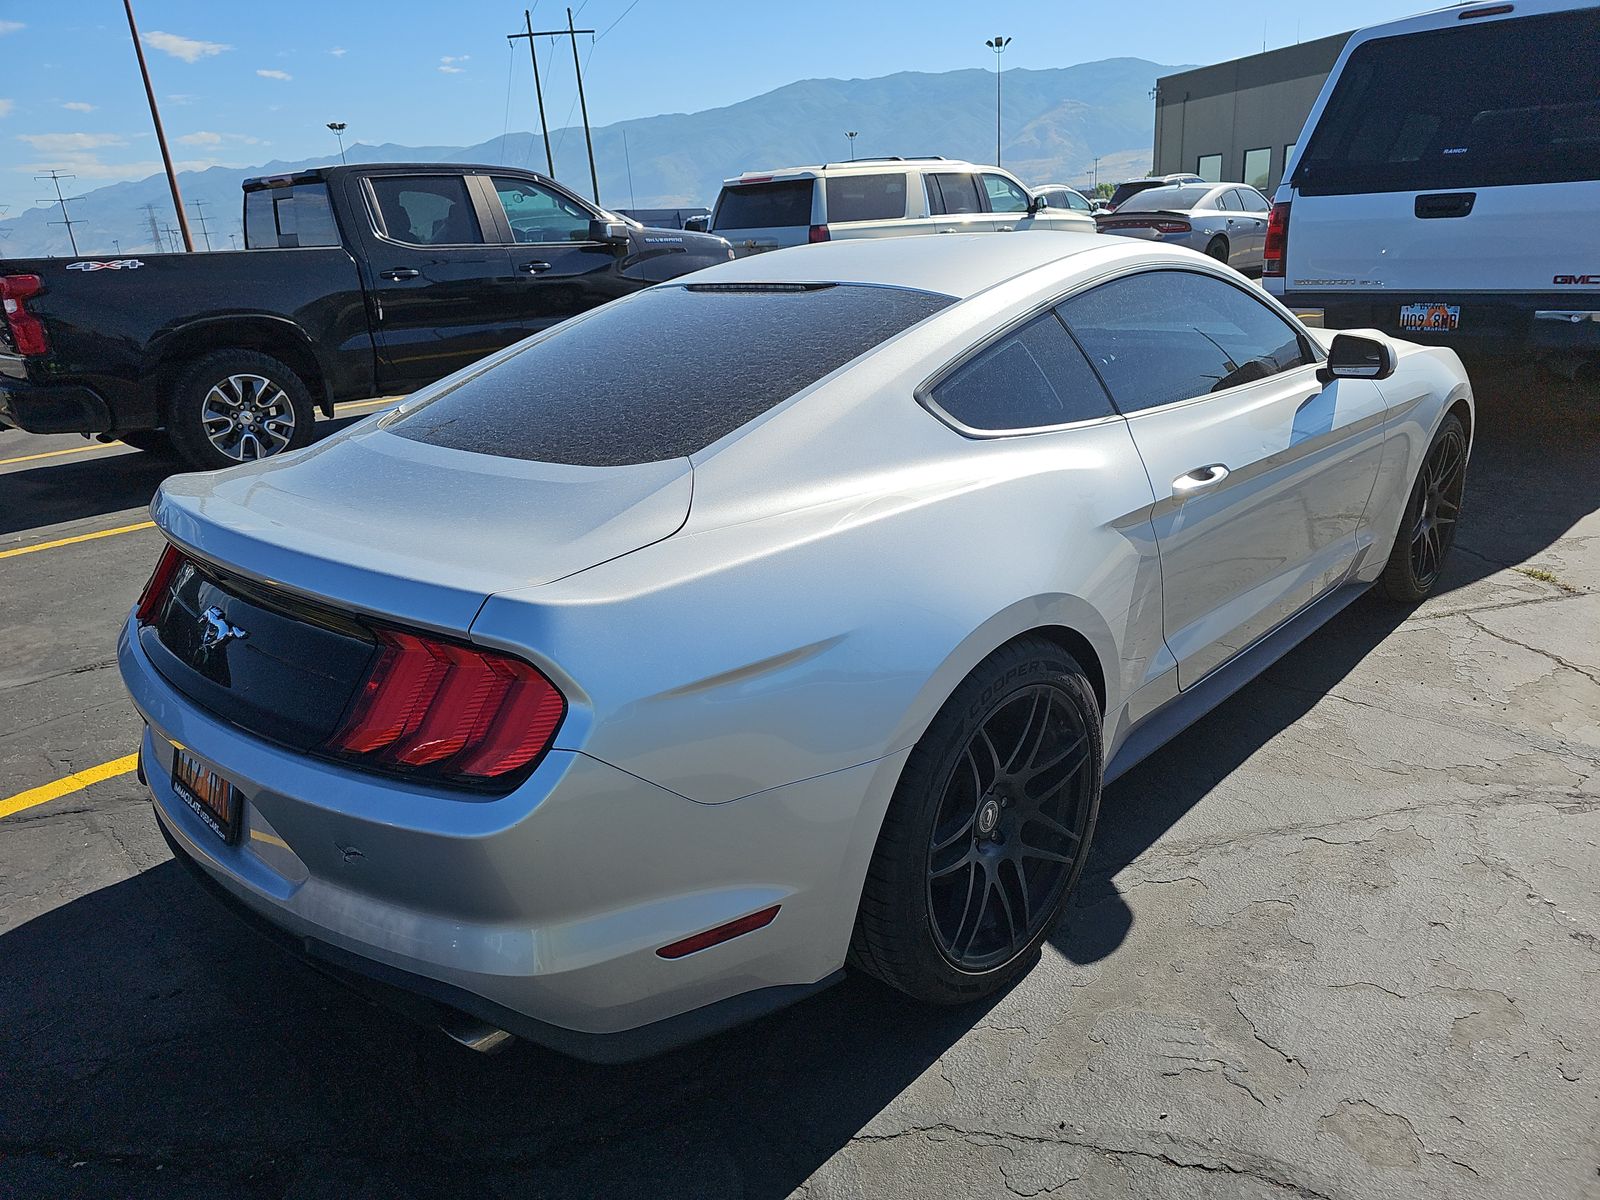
<point>663,373</point>
<point>538,214</point>
<point>956,193</point>
<point>1252,200</point>
<point>427,210</point>
<point>764,205</point>
<point>1228,200</point>
<point>1004,196</point>
<point>1163,336</point>
<point>866,197</point>
<point>1073,200</point>
<point>1032,378</point>
<point>1176,198</point>
<point>1258,166</point>
<point>289,217</point>
<point>1132,188</point>
<point>1522,106</point>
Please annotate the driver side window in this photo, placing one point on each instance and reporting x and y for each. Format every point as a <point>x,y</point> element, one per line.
<point>538,214</point>
<point>1004,196</point>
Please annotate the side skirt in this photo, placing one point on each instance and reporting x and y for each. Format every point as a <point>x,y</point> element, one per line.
<point>1188,706</point>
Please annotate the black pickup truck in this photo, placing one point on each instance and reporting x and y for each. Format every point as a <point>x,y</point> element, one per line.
<point>357,281</point>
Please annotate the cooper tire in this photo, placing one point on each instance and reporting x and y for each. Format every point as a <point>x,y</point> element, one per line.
<point>1428,525</point>
<point>1000,795</point>
<point>234,406</point>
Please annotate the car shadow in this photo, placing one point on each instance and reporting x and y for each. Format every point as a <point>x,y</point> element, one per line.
<point>53,492</point>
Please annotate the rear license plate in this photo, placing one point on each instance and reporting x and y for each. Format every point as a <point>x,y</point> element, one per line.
<point>1430,318</point>
<point>213,799</point>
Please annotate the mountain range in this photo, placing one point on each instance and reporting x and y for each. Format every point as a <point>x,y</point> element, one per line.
<point>1055,123</point>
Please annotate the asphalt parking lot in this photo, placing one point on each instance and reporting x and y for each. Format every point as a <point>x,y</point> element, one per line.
<point>1341,939</point>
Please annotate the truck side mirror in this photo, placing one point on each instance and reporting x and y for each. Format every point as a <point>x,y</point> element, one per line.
<point>614,232</point>
<point>699,223</point>
<point>1353,356</point>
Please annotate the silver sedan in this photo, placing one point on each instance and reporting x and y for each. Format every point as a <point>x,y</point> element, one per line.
<point>1227,221</point>
<point>626,685</point>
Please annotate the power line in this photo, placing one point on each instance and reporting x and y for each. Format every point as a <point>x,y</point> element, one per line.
<point>618,21</point>
<point>56,177</point>
<point>155,226</point>
<point>200,215</point>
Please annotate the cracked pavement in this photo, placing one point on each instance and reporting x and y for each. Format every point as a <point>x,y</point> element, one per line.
<point>1340,939</point>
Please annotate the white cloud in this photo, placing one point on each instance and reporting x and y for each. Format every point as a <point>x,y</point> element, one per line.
<point>188,49</point>
<point>274,74</point>
<point>204,137</point>
<point>10,27</point>
<point>451,70</point>
<point>6,106</point>
<point>87,166</point>
<point>445,63</point>
<point>338,52</point>
<point>69,143</point>
<point>78,106</point>
<point>181,98</point>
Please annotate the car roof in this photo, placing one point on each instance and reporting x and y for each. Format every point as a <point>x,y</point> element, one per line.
<point>860,166</point>
<point>952,264</point>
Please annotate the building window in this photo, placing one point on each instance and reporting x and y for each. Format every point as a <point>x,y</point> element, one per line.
<point>1209,168</point>
<point>1258,167</point>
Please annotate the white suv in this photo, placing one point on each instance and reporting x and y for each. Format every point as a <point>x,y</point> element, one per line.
<point>878,197</point>
<point>1446,185</point>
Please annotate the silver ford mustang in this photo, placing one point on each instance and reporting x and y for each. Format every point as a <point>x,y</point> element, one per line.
<point>789,616</point>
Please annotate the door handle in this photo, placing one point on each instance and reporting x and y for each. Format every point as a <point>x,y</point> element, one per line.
<point>533,268</point>
<point>1199,480</point>
<point>1444,204</point>
<point>1004,229</point>
<point>398,273</point>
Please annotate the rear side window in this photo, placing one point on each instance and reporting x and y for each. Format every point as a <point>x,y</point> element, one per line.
<point>1030,379</point>
<point>764,205</point>
<point>951,193</point>
<point>1163,336</point>
<point>1228,200</point>
<point>427,210</point>
<point>1474,105</point>
<point>663,373</point>
<point>289,217</point>
<point>866,197</point>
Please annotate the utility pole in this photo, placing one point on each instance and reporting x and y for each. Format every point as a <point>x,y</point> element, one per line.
<point>628,159</point>
<point>172,239</point>
<point>998,44</point>
<point>200,215</point>
<point>568,32</point>
<point>56,177</point>
<point>161,135</point>
<point>538,91</point>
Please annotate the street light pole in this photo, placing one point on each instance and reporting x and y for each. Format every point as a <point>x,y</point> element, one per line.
<point>998,44</point>
<point>851,134</point>
<point>338,128</point>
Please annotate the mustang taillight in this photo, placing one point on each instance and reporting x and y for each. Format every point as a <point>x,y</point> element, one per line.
<point>444,709</point>
<point>155,591</point>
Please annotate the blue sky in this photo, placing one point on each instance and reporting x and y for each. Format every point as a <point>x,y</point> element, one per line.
<point>241,83</point>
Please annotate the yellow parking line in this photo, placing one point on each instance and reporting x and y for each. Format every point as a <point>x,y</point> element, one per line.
<point>6,462</point>
<point>82,537</point>
<point>65,787</point>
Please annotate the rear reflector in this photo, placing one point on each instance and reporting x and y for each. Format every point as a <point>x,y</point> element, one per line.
<point>448,710</point>
<point>155,591</point>
<point>722,933</point>
<point>817,233</point>
<point>1276,251</point>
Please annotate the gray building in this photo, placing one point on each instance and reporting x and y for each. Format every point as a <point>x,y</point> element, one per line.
<point>1238,120</point>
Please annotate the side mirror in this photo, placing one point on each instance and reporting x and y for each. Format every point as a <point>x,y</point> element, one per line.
<point>698,224</point>
<point>1353,356</point>
<point>1035,203</point>
<point>614,232</point>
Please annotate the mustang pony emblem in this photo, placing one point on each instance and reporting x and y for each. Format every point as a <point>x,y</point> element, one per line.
<point>218,630</point>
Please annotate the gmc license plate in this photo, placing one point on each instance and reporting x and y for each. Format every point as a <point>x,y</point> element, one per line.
<point>214,800</point>
<point>1430,318</point>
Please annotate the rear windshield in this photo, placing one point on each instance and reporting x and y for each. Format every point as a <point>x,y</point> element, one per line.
<point>1167,197</point>
<point>1503,102</point>
<point>764,205</point>
<point>289,218</point>
<point>663,373</point>
<point>866,197</point>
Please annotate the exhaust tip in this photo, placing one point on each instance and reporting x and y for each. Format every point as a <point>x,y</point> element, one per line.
<point>475,1035</point>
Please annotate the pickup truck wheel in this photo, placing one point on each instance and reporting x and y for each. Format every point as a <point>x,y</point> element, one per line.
<point>235,406</point>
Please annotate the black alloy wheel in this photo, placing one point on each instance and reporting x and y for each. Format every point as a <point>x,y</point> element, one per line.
<point>1428,526</point>
<point>1010,829</point>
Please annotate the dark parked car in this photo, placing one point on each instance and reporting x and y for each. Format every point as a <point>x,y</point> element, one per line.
<point>359,281</point>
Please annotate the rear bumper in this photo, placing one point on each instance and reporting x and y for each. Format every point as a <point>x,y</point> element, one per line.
<point>539,912</point>
<point>1555,322</point>
<point>51,408</point>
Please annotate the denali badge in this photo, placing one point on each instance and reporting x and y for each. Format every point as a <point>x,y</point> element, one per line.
<point>217,630</point>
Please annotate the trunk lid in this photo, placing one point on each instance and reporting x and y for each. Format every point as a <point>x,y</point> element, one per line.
<point>377,524</point>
